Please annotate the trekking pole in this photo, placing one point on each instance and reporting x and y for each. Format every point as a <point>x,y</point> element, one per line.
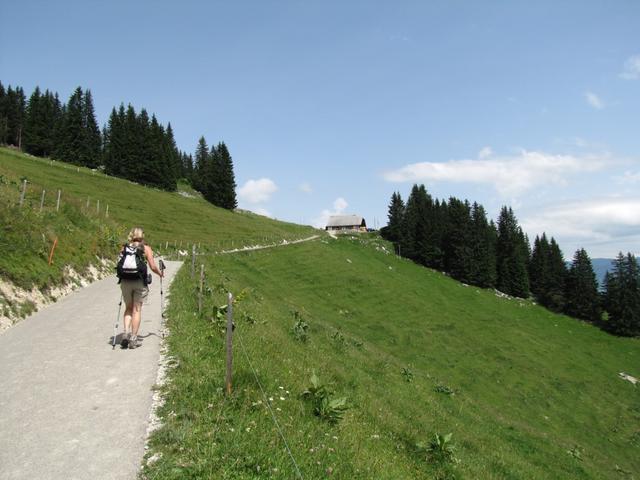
<point>162,269</point>
<point>115,328</point>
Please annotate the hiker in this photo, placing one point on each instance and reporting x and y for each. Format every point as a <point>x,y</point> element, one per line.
<point>134,281</point>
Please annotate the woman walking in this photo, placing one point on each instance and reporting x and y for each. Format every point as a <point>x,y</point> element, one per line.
<point>134,280</point>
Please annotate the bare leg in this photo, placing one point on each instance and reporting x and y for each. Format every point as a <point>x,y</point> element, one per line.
<point>128,311</point>
<point>136,317</point>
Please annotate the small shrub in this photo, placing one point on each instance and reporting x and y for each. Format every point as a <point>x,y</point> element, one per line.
<point>324,404</point>
<point>407,374</point>
<point>576,452</point>
<point>440,449</point>
<point>250,319</point>
<point>300,328</point>
<point>444,389</point>
<point>339,338</point>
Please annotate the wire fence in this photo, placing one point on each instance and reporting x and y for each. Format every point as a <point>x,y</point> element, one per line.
<point>234,331</point>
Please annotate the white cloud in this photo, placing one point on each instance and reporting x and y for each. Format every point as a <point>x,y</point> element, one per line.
<point>631,68</point>
<point>629,178</point>
<point>339,206</point>
<point>262,211</point>
<point>609,223</point>
<point>595,101</point>
<point>305,187</point>
<point>485,153</point>
<point>257,191</point>
<point>510,176</point>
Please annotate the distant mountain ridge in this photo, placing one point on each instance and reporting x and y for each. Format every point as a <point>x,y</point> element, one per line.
<point>600,267</point>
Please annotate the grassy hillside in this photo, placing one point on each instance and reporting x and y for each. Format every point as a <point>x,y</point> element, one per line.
<point>525,393</point>
<point>181,216</point>
<point>177,218</point>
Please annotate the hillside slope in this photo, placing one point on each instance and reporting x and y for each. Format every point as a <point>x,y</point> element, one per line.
<point>524,392</point>
<point>85,232</point>
<point>179,216</point>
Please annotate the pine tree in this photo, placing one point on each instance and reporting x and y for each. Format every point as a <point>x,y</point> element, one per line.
<point>187,167</point>
<point>483,248</point>
<point>70,144</point>
<point>392,231</point>
<point>4,125</point>
<point>458,252</point>
<point>34,128</point>
<point>581,289</point>
<point>622,296</point>
<point>201,159</point>
<point>539,269</point>
<point>13,112</point>
<point>91,140</point>
<point>512,256</point>
<point>555,284</point>
<point>227,178</point>
<point>113,141</point>
<point>51,117</point>
<point>414,231</point>
<point>133,146</point>
<point>173,158</point>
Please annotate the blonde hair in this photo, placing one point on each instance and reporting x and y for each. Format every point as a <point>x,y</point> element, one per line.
<point>136,236</point>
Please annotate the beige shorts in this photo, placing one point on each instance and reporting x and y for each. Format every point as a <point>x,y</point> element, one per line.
<point>133,291</point>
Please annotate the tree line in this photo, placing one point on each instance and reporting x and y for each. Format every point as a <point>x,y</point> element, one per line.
<point>456,237</point>
<point>131,145</point>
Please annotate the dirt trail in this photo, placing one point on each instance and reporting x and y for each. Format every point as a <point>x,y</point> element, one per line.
<point>70,406</point>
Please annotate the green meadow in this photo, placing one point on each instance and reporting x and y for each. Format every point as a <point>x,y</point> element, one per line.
<point>414,355</point>
<point>524,393</point>
<point>172,221</point>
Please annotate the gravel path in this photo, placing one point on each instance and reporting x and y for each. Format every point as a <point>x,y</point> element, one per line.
<point>70,406</point>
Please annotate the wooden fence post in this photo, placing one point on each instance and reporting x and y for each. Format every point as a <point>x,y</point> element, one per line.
<point>24,191</point>
<point>88,200</point>
<point>58,202</point>
<point>229,343</point>
<point>106,214</point>
<point>201,288</point>
<point>98,206</point>
<point>193,261</point>
<point>42,200</point>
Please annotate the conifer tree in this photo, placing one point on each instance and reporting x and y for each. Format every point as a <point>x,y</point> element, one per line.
<point>458,251</point>
<point>539,269</point>
<point>555,284</point>
<point>134,142</point>
<point>512,255</point>
<point>34,129</point>
<point>4,125</point>
<point>581,289</point>
<point>51,112</point>
<point>172,155</point>
<point>483,248</point>
<point>227,187</point>
<point>622,296</point>
<point>414,230</point>
<point>392,231</point>
<point>201,159</point>
<point>90,137</point>
<point>70,139</point>
<point>187,167</point>
<point>114,143</point>
<point>12,116</point>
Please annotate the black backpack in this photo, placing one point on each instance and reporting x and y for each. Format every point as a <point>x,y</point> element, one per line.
<point>131,264</point>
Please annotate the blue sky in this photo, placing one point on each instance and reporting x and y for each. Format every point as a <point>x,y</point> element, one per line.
<point>331,106</point>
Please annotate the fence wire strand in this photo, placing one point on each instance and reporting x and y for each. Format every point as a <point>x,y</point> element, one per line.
<point>266,400</point>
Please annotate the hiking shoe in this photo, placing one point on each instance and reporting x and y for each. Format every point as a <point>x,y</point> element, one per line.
<point>133,342</point>
<point>125,340</point>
